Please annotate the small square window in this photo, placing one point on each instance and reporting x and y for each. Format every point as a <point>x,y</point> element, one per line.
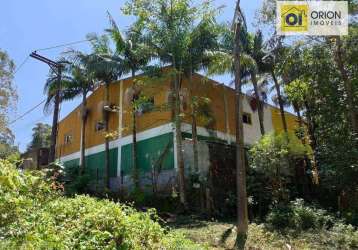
<point>68,139</point>
<point>246,117</point>
<point>99,126</point>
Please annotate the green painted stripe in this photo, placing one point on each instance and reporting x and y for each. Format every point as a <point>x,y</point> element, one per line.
<point>149,152</point>
<point>95,164</point>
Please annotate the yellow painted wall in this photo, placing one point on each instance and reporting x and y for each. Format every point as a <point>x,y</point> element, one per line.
<point>292,122</point>
<point>215,93</point>
<point>160,91</point>
<point>71,124</point>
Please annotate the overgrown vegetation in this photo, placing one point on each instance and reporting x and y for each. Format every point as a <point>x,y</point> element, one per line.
<point>8,97</point>
<point>34,215</point>
<point>292,175</point>
<point>221,234</point>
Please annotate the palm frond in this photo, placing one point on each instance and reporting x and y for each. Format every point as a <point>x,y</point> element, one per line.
<point>221,62</point>
<point>247,62</point>
<point>115,34</point>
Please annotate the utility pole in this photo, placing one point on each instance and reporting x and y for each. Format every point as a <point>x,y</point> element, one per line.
<point>57,68</point>
<point>242,223</point>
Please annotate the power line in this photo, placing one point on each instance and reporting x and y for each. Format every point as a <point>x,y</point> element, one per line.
<point>22,64</point>
<point>66,44</point>
<point>48,48</point>
<point>27,112</point>
<point>34,121</point>
<point>25,60</point>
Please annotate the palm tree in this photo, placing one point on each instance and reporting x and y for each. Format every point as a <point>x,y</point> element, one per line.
<point>259,67</point>
<point>56,94</point>
<point>252,65</point>
<point>76,81</point>
<point>106,67</point>
<point>271,59</point>
<point>166,26</point>
<point>203,37</point>
<point>134,54</point>
<point>83,83</point>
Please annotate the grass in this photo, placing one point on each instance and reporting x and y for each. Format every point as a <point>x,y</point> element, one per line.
<point>213,234</point>
<point>220,235</point>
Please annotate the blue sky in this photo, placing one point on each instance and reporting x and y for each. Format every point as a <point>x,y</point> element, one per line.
<point>29,25</point>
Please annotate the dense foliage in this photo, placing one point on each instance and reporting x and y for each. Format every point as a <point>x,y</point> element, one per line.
<point>317,77</point>
<point>8,97</point>
<point>278,171</point>
<point>35,216</point>
<point>8,92</point>
<point>41,136</point>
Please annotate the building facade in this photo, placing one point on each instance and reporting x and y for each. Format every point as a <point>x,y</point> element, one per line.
<point>156,144</point>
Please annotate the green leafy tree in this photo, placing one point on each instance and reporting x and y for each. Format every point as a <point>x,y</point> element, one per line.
<point>269,156</point>
<point>7,147</point>
<point>340,58</point>
<point>167,26</point>
<point>203,37</point>
<point>8,93</point>
<point>41,137</point>
<point>8,100</point>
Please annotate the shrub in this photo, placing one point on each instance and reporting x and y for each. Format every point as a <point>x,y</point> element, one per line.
<point>275,158</point>
<point>298,216</point>
<point>20,191</point>
<point>343,236</point>
<point>37,217</point>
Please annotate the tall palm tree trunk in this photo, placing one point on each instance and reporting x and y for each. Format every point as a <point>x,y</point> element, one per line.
<point>280,101</point>
<point>56,111</point>
<point>353,113</point>
<point>242,223</point>
<point>83,132</point>
<point>260,110</point>
<point>135,169</point>
<point>178,138</point>
<point>106,144</point>
<point>194,129</point>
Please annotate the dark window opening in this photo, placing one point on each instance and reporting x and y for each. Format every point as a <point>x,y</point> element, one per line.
<point>246,117</point>
<point>99,126</point>
<point>68,139</point>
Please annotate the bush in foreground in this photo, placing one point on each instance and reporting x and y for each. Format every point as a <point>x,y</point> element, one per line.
<point>36,217</point>
<point>299,216</point>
